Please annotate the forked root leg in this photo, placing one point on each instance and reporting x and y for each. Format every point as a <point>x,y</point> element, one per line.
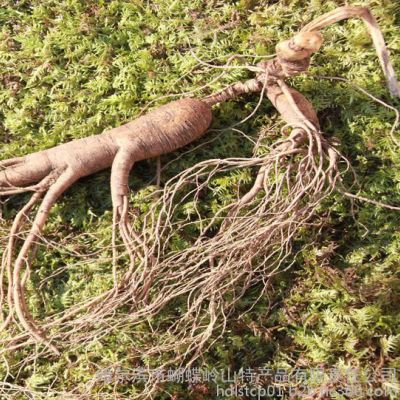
<point>19,220</point>
<point>120,169</point>
<point>8,255</point>
<point>10,162</point>
<point>65,180</point>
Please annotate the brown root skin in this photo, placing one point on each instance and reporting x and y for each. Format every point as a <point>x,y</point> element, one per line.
<point>300,47</point>
<point>287,111</point>
<point>244,249</point>
<point>165,129</point>
<point>161,131</point>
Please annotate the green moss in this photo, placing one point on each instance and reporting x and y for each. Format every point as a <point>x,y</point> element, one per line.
<point>73,68</point>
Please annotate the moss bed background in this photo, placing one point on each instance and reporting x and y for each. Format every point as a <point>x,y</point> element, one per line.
<point>70,69</point>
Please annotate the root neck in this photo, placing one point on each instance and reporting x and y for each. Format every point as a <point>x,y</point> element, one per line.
<point>233,91</point>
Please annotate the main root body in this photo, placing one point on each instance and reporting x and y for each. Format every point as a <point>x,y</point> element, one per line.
<point>58,168</point>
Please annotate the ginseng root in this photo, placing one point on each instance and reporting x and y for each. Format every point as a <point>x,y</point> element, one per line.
<point>163,130</point>
<point>255,233</point>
